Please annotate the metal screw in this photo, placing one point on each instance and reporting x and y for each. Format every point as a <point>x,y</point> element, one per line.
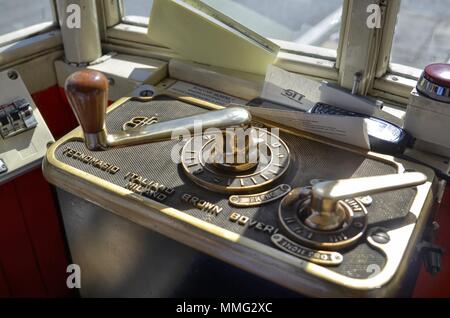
<point>146,93</point>
<point>435,226</point>
<point>12,75</point>
<point>234,199</point>
<point>380,236</point>
<point>357,78</point>
<point>366,200</point>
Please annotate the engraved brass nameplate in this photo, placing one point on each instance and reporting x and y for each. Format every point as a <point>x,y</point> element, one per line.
<point>201,204</point>
<point>141,121</point>
<point>319,257</point>
<point>260,198</point>
<point>90,160</point>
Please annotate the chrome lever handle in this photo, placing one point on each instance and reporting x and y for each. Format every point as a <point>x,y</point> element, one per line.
<point>87,91</point>
<point>326,194</point>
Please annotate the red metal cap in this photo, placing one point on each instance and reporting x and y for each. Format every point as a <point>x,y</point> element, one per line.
<point>438,74</point>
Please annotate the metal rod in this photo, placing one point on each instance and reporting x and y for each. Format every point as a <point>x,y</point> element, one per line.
<point>233,117</point>
<point>356,83</point>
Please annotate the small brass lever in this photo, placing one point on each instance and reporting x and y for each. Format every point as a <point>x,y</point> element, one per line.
<point>326,194</point>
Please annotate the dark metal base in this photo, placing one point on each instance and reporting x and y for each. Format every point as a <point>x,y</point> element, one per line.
<point>119,258</point>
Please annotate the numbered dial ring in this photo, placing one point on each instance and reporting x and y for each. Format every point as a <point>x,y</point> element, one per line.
<point>273,162</point>
<point>294,211</point>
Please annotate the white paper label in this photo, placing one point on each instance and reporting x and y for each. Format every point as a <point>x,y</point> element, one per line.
<point>350,130</point>
<point>290,89</point>
<point>203,93</point>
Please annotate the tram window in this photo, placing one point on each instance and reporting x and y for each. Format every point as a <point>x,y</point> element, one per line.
<point>285,20</point>
<point>137,11</point>
<point>20,14</point>
<point>422,34</point>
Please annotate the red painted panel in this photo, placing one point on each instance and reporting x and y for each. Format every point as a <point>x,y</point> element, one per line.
<point>17,257</point>
<point>42,220</point>
<point>4,287</point>
<point>33,258</point>
<point>56,111</point>
<point>439,285</point>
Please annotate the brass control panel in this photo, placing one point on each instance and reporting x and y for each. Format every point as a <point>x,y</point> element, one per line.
<point>309,214</point>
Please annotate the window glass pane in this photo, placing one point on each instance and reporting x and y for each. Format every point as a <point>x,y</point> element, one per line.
<point>422,34</point>
<point>309,22</point>
<point>19,14</point>
<point>137,8</point>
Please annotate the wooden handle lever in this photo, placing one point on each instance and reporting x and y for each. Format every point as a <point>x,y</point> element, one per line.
<point>87,92</point>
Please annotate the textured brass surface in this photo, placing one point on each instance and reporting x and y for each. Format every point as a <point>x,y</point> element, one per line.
<point>245,240</point>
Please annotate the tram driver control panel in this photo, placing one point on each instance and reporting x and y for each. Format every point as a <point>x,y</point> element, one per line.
<point>310,215</point>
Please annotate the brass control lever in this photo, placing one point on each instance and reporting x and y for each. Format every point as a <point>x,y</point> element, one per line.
<point>87,92</point>
<point>325,214</point>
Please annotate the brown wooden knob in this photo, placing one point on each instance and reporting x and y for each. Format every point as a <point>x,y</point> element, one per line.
<point>87,92</point>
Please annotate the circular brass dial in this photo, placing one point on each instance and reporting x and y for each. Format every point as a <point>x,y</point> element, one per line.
<point>294,211</point>
<point>272,164</point>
